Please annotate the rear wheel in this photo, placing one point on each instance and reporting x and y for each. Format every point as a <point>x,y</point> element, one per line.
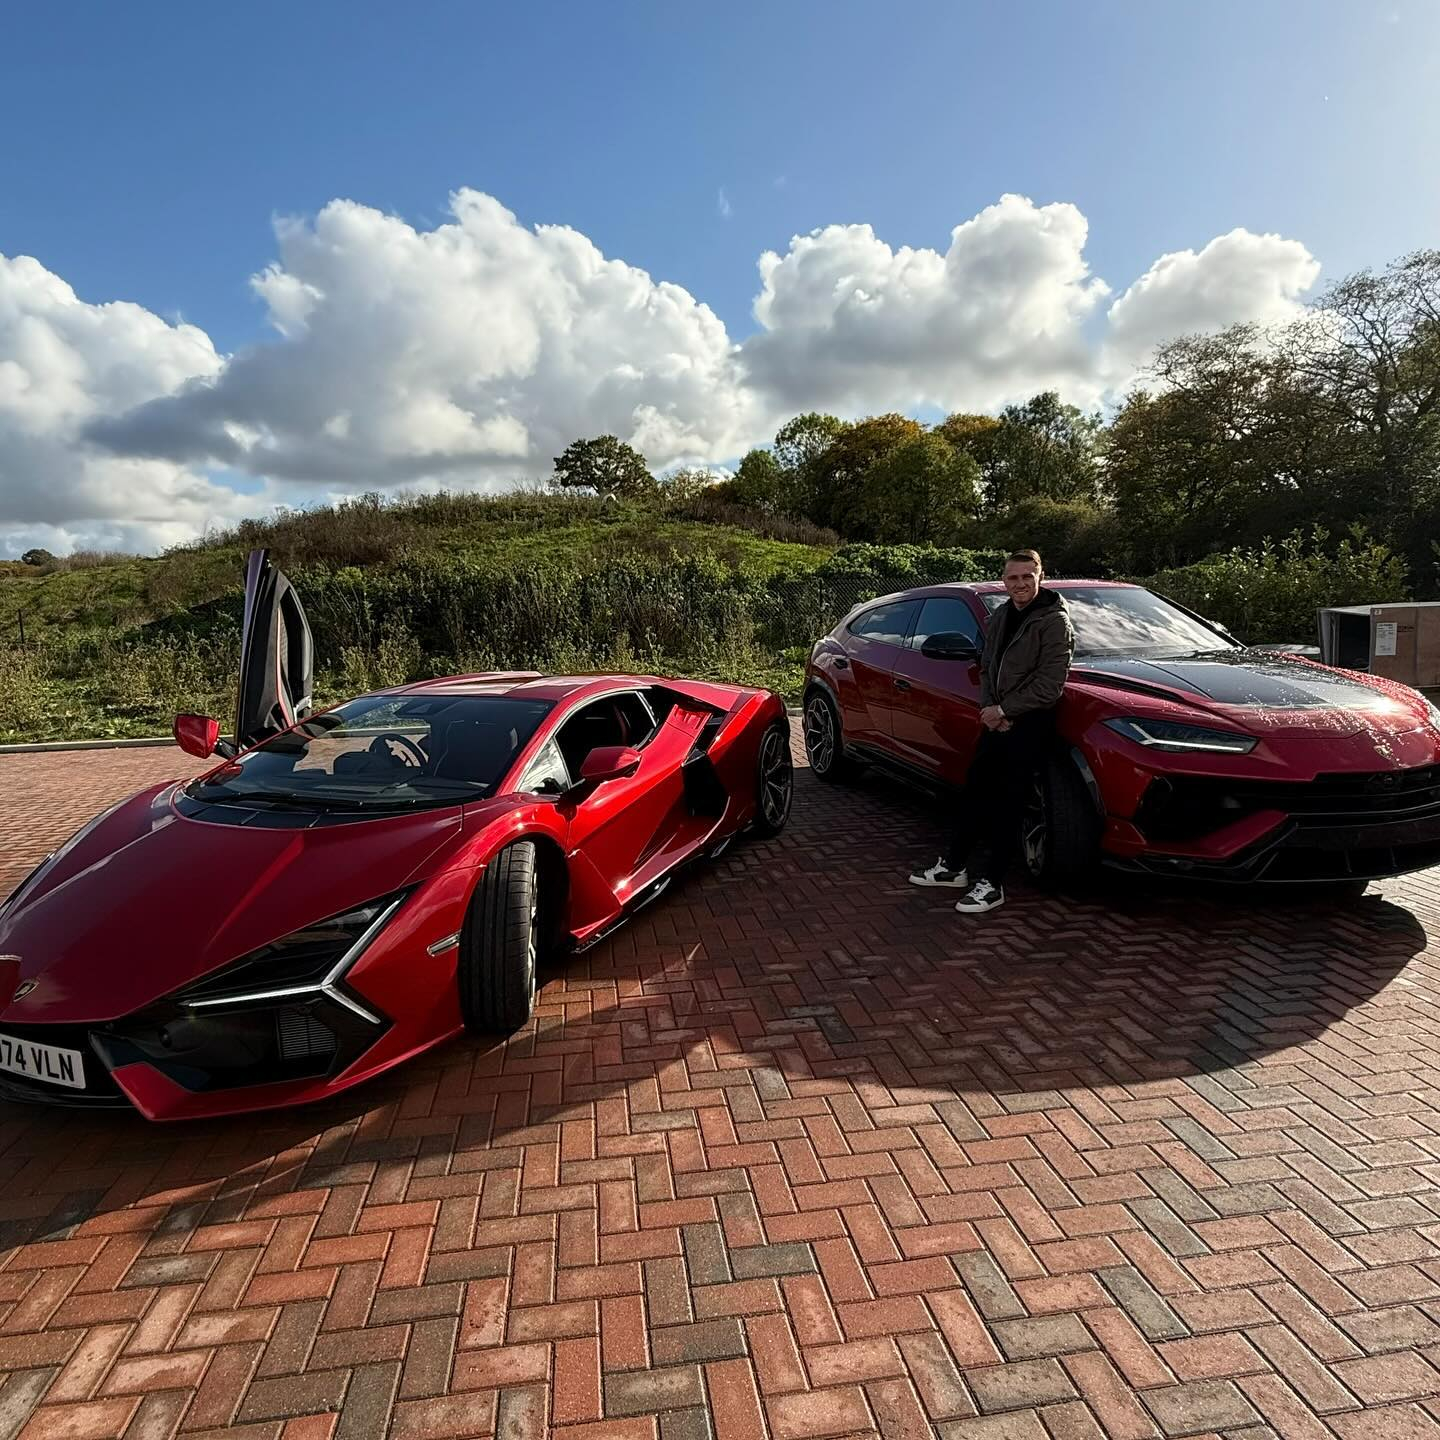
<point>1059,829</point>
<point>824,738</point>
<point>774,781</point>
<point>501,944</point>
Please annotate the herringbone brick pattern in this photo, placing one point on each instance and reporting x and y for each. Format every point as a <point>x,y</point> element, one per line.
<point>800,1153</point>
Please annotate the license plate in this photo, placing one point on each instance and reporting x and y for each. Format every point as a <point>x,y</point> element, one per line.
<point>46,1063</point>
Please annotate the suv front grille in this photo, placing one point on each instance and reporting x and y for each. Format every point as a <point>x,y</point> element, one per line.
<point>1182,807</point>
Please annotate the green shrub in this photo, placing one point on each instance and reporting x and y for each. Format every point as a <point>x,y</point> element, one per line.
<point>649,606</point>
<point>23,678</point>
<point>1074,537</point>
<point>1272,595</point>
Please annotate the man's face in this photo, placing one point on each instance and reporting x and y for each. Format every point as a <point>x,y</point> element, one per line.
<point>1022,581</point>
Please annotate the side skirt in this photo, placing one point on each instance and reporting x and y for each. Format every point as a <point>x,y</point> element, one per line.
<point>901,769</point>
<point>639,902</point>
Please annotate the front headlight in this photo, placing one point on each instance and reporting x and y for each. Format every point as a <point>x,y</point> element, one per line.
<point>309,960</point>
<point>1172,735</point>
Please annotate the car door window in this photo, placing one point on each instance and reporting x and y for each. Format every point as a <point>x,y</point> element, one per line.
<point>885,624</point>
<point>547,773</point>
<point>945,615</point>
<point>636,718</point>
<point>620,719</point>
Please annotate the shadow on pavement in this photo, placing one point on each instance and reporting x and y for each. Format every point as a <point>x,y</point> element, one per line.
<point>798,968</point>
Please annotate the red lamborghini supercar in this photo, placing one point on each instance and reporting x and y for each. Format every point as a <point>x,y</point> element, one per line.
<point>351,887</point>
<point>1181,751</point>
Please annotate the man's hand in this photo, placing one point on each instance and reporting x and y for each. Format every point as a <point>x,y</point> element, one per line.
<point>992,717</point>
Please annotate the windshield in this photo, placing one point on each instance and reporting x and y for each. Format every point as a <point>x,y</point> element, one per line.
<point>382,752</point>
<point>1130,622</point>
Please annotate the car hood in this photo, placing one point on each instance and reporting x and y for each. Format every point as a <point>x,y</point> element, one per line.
<point>1265,692</point>
<point>144,899</point>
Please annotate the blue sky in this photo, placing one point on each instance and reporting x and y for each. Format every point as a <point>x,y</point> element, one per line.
<point>149,148</point>
<point>150,144</point>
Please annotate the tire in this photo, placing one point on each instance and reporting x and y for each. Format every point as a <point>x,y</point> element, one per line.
<point>1059,829</point>
<point>825,738</point>
<point>774,781</point>
<point>500,945</point>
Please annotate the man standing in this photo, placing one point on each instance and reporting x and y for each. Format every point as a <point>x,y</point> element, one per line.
<point>1023,664</point>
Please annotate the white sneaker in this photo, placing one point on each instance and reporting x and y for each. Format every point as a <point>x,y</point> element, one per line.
<point>980,897</point>
<point>938,876</point>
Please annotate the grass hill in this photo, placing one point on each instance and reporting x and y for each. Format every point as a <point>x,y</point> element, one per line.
<point>395,590</point>
<point>115,645</point>
<point>92,591</point>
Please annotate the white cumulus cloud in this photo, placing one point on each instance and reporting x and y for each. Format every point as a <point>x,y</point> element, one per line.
<point>63,364</point>
<point>472,353</point>
<point>1236,277</point>
<point>849,323</point>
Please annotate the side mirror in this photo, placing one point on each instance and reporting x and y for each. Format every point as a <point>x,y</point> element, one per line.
<point>609,762</point>
<point>950,645</point>
<point>199,735</point>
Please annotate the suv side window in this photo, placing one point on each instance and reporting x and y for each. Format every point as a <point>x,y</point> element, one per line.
<point>945,615</point>
<point>887,624</point>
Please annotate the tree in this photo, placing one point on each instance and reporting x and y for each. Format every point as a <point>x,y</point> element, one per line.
<point>759,483</point>
<point>605,465</point>
<point>1369,352</point>
<point>840,472</point>
<point>974,434</point>
<point>1074,537</point>
<point>800,447</point>
<point>685,485</point>
<point>1043,447</point>
<point>1232,446</point>
<point>921,492</point>
<point>800,441</point>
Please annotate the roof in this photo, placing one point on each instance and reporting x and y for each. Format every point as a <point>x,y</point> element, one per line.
<point>529,684</point>
<point>988,587</point>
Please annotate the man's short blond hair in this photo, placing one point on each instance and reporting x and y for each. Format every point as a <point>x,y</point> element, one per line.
<point>1032,556</point>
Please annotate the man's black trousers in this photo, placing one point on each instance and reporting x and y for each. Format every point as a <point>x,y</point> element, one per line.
<point>986,835</point>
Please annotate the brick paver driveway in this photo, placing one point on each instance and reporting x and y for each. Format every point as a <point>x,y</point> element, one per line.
<point>799,1153</point>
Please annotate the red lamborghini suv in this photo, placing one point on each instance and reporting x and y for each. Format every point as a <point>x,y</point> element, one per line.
<point>1181,752</point>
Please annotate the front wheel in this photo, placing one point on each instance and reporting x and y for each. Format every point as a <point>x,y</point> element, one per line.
<point>500,946</point>
<point>1059,829</point>
<point>774,781</point>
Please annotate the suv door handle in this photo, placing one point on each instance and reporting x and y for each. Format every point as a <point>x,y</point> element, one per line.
<point>902,684</point>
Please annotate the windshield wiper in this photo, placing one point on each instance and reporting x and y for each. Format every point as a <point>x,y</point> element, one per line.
<point>279,800</point>
<point>474,788</point>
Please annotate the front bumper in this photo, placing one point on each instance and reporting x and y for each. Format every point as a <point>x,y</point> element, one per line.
<point>1338,826</point>
<point>169,1061</point>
